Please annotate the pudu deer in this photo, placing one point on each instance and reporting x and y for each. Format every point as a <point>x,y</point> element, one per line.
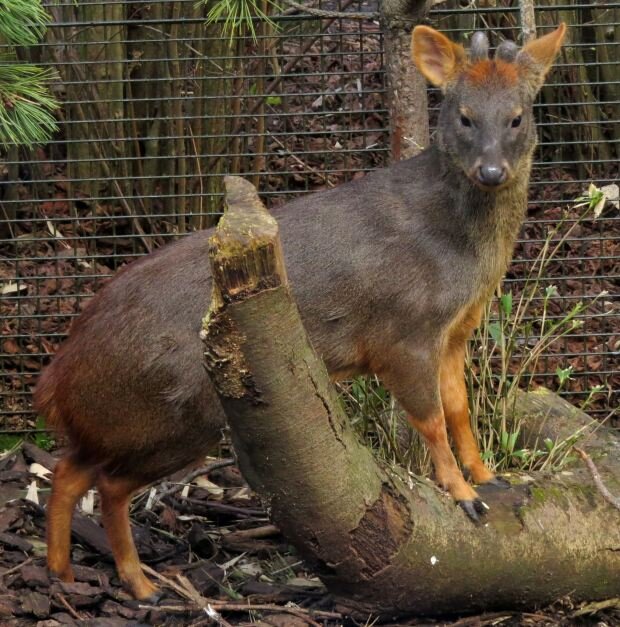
<point>390,273</point>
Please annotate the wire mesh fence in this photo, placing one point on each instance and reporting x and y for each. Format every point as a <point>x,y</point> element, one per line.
<point>157,107</point>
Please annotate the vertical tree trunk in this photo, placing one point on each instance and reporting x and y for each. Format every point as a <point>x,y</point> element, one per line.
<point>145,100</point>
<point>607,36</point>
<point>10,196</point>
<point>407,101</point>
<point>528,20</point>
<point>80,62</point>
<point>582,101</point>
<point>224,78</point>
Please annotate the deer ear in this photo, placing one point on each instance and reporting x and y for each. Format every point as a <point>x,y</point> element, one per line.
<point>536,57</point>
<point>438,58</point>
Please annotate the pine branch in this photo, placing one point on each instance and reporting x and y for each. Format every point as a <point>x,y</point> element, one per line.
<point>26,106</point>
<point>238,15</point>
<point>23,22</point>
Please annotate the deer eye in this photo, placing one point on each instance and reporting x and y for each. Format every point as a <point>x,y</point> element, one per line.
<point>516,122</point>
<point>465,121</point>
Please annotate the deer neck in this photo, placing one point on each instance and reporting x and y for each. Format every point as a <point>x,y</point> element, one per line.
<point>491,220</point>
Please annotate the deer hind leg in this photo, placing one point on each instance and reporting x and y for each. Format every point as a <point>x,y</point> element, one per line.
<point>116,494</point>
<point>456,410</point>
<point>71,480</point>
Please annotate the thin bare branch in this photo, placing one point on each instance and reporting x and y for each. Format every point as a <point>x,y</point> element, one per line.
<point>614,501</point>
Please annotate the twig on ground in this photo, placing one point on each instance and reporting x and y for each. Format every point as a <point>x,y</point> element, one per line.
<point>192,593</point>
<point>220,606</point>
<point>265,531</point>
<point>16,568</point>
<point>69,607</point>
<point>598,482</point>
<point>11,451</point>
<point>187,590</point>
<point>213,616</point>
<point>173,585</point>
<point>199,472</point>
<point>244,512</point>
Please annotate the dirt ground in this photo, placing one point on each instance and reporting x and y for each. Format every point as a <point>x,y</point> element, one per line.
<point>210,547</point>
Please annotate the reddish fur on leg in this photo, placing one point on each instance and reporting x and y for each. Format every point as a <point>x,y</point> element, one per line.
<point>116,495</point>
<point>456,410</point>
<point>448,474</point>
<point>71,480</point>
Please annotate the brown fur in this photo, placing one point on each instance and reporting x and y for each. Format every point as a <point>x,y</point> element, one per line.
<point>390,273</point>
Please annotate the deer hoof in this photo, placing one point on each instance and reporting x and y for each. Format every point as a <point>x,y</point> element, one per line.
<point>474,509</point>
<point>155,598</point>
<point>498,482</point>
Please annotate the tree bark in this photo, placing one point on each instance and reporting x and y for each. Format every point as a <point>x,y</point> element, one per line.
<point>409,131</point>
<point>528,20</point>
<point>547,415</point>
<point>383,543</point>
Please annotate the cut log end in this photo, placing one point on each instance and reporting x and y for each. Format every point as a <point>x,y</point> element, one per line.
<point>245,249</point>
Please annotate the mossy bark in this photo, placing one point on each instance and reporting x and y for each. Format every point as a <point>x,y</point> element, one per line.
<point>383,543</point>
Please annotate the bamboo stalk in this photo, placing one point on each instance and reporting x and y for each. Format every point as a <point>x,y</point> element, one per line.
<point>218,126</point>
<point>237,125</point>
<point>609,72</point>
<point>166,167</point>
<point>178,125</point>
<point>114,108</point>
<point>143,106</point>
<point>259,134</point>
<point>196,126</point>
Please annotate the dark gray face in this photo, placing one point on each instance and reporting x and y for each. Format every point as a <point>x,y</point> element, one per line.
<point>486,122</point>
<point>487,126</point>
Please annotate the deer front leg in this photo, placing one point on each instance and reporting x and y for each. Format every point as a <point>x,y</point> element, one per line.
<point>413,378</point>
<point>454,397</point>
<point>456,411</point>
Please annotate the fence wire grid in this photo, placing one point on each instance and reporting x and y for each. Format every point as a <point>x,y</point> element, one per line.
<point>157,107</point>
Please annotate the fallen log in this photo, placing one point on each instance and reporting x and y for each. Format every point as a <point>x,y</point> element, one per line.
<point>383,543</point>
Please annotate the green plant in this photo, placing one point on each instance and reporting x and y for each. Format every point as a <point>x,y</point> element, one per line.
<point>595,390</point>
<point>22,22</point>
<point>515,333</point>
<point>42,438</point>
<point>9,442</point>
<point>239,15</point>
<point>381,422</point>
<point>26,105</point>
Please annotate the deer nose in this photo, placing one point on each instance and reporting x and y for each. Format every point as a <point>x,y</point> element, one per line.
<point>491,175</point>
